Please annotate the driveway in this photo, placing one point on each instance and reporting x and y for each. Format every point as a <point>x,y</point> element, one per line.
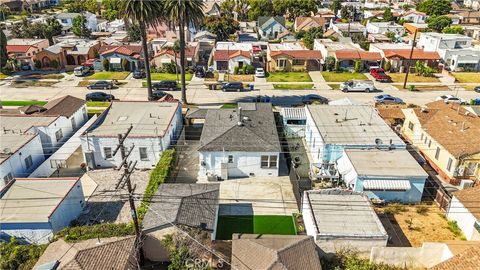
<point>187,167</point>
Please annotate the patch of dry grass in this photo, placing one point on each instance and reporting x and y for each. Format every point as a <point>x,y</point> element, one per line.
<point>400,77</point>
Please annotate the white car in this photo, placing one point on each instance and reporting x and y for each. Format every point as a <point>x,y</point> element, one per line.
<point>451,98</point>
<point>357,86</point>
<point>259,73</point>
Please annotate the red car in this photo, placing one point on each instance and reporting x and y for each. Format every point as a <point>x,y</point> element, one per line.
<point>379,75</point>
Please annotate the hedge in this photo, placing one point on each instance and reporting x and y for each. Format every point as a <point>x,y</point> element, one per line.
<point>104,230</point>
<point>157,177</point>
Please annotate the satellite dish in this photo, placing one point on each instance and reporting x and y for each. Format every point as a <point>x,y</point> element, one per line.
<point>378,141</point>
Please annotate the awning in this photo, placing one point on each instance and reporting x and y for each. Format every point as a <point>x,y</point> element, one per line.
<point>386,185</point>
<point>115,60</point>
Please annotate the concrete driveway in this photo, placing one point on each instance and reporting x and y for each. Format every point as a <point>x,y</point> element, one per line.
<point>258,196</point>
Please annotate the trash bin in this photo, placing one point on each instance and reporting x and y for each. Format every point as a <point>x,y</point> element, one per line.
<point>250,86</point>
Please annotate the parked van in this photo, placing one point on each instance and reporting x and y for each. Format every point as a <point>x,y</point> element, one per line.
<point>357,86</point>
<point>81,71</point>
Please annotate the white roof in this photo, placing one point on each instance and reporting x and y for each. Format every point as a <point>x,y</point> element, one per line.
<point>331,45</point>
<point>444,36</point>
<point>294,113</point>
<point>391,46</point>
<point>24,41</point>
<point>234,46</point>
<point>386,185</point>
<point>33,199</point>
<point>287,46</point>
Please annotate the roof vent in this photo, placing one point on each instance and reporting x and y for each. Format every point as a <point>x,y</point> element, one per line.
<point>424,109</point>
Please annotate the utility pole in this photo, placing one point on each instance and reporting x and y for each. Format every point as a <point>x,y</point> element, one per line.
<point>410,59</point>
<point>128,169</point>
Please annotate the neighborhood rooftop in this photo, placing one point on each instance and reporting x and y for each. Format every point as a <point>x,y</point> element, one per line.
<point>352,124</point>
<point>11,143</point>
<point>12,124</point>
<point>149,119</point>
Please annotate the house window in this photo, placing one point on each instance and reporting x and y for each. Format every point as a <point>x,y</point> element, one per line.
<point>471,168</point>
<point>230,159</point>
<point>59,135</point>
<point>273,161</point>
<point>298,62</point>
<point>264,162</point>
<point>421,137</point>
<point>143,153</point>
<point>28,162</point>
<point>410,125</point>
<point>268,161</point>
<point>425,141</point>
<point>437,153</point>
<point>107,151</point>
<point>449,164</point>
<point>7,178</point>
<point>429,143</point>
<point>281,63</point>
<point>74,124</point>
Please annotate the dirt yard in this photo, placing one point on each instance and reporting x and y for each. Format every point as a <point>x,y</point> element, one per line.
<point>414,225</point>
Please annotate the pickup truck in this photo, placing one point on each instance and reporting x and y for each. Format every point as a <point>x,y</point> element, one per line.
<point>379,75</point>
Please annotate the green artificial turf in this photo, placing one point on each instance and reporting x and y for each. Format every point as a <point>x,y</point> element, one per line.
<point>22,102</point>
<point>268,224</point>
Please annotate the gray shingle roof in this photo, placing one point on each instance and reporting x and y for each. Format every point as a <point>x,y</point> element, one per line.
<point>193,205</point>
<point>258,132</point>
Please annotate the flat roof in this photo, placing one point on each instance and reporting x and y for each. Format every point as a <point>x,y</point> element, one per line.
<point>33,199</point>
<point>233,46</point>
<point>384,163</point>
<point>149,119</point>
<point>331,45</point>
<point>352,125</point>
<point>344,213</point>
<point>286,46</point>
<point>20,123</point>
<point>11,143</point>
<point>444,36</point>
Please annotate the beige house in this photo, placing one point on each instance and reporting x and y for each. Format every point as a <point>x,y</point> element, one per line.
<point>292,57</point>
<point>448,137</point>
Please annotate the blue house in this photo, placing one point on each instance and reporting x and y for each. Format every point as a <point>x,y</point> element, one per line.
<point>270,27</point>
<point>117,55</point>
<point>389,175</point>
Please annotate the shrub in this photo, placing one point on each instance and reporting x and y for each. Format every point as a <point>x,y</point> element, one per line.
<point>106,64</point>
<point>168,68</point>
<point>157,177</point>
<point>244,69</point>
<point>250,69</point>
<point>411,87</point>
<point>394,208</point>
<point>387,66</point>
<point>358,65</point>
<point>453,227</point>
<point>13,255</point>
<point>38,64</point>
<point>79,233</point>
<point>330,63</point>
<point>54,64</point>
<point>337,66</point>
<point>422,210</point>
<point>235,70</point>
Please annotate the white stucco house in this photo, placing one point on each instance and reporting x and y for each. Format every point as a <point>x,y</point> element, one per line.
<point>414,16</point>
<point>227,55</point>
<point>33,209</point>
<point>66,20</point>
<point>455,50</point>
<point>30,134</point>
<point>156,126</point>
<point>113,26</point>
<point>239,142</point>
<point>270,27</point>
<point>465,210</point>
<point>384,27</point>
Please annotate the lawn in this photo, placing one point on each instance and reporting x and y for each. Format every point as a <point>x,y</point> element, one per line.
<point>22,102</point>
<point>342,76</point>
<point>229,106</point>
<point>169,77</point>
<point>334,86</point>
<point>288,77</point>
<point>436,87</point>
<point>467,77</point>
<point>98,104</point>
<point>227,225</point>
<point>415,224</point>
<point>3,76</point>
<point>302,86</point>
<point>412,78</point>
<point>53,76</point>
<point>106,75</point>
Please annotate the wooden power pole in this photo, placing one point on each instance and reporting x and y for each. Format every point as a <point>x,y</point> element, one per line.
<point>410,59</point>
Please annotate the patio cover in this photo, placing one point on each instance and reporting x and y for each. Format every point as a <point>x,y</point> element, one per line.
<point>386,184</point>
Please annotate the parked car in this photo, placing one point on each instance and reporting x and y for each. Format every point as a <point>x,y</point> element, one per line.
<point>475,101</point>
<point>357,86</point>
<point>259,73</point>
<point>261,99</point>
<point>477,89</point>
<point>165,85</point>
<point>99,96</point>
<point>379,75</point>
<point>139,74</point>
<point>100,85</point>
<point>232,86</point>
<point>200,72</point>
<point>382,99</point>
<point>312,98</point>
<point>156,95</point>
<point>25,67</point>
<point>81,71</point>
<point>451,99</point>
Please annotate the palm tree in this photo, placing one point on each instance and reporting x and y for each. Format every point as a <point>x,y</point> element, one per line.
<point>144,13</point>
<point>181,13</point>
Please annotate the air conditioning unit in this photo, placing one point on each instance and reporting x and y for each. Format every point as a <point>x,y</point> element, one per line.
<point>466,184</point>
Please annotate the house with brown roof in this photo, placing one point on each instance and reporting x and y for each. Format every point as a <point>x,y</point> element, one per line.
<point>68,54</point>
<point>466,260</point>
<point>347,59</point>
<point>305,23</point>
<point>464,208</point>
<point>289,252</point>
<point>398,55</point>
<point>25,50</point>
<point>227,60</point>
<point>294,56</point>
<point>168,55</point>
<point>122,57</point>
<point>447,135</point>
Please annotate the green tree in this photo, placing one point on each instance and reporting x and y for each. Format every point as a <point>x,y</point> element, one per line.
<point>336,6</point>
<point>434,7</point>
<point>79,27</point>
<point>437,23</point>
<point>106,64</point>
<point>54,64</point>
<point>74,6</point>
<point>259,8</point>
<point>13,255</point>
<point>133,32</point>
<point>52,28</point>
<point>310,36</point>
<point>358,65</point>
<point>391,36</point>
<point>111,8</point>
<point>387,66</point>
<point>90,6</point>
<point>143,13</point>
<point>387,15</point>
<point>453,30</point>
<point>3,49</point>
<point>4,12</point>
<point>222,26</point>
<point>182,14</point>
<point>296,8</point>
<point>330,63</point>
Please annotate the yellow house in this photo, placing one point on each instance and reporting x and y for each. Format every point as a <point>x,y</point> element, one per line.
<point>292,57</point>
<point>448,136</point>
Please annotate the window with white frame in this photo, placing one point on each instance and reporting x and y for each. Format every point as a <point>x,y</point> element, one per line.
<point>143,153</point>
<point>28,162</point>
<point>449,164</point>
<point>268,161</point>
<point>58,135</point>
<point>107,152</point>
<point>7,178</point>
<point>281,63</point>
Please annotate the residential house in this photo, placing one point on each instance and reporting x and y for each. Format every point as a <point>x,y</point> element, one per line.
<point>331,129</point>
<point>66,20</point>
<point>239,142</point>
<point>472,31</point>
<point>156,126</point>
<point>464,208</point>
<point>112,27</point>
<point>92,254</point>
<point>447,136</point>
<point>68,54</point>
<point>466,260</point>
<point>376,38</point>
<point>385,27</point>
<point>467,17</point>
<point>163,31</point>
<point>291,57</point>
<point>455,50</point>
<point>347,59</point>
<point>192,205</point>
<point>411,28</point>
<point>339,219</point>
<point>289,252</point>
<point>378,14</point>
<point>378,174</point>
<point>294,120</point>
<point>32,133</point>
<point>270,27</point>
<point>305,23</point>
<point>328,47</point>
<point>25,50</point>
<point>285,36</point>
<point>33,209</point>
<point>168,55</point>
<point>204,35</point>
<point>228,55</point>
<point>474,4</point>
<point>414,16</point>
<point>376,4</point>
<point>116,55</point>
<point>211,8</point>
<point>349,29</point>
<point>398,54</point>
